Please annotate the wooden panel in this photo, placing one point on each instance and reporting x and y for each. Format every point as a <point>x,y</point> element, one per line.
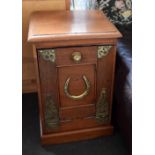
<point>56,138</point>
<point>29,85</point>
<point>66,25</point>
<point>105,75</point>
<point>76,43</point>
<point>48,78</point>
<point>77,112</point>
<point>64,55</point>
<point>29,6</point>
<point>77,85</point>
<point>68,3</point>
<point>48,84</point>
<point>79,124</point>
<point>36,64</point>
<point>76,124</point>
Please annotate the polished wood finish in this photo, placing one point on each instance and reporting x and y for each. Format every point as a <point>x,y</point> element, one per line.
<point>106,66</point>
<point>77,112</point>
<point>75,124</point>
<point>69,32</point>
<point>76,135</point>
<point>76,43</point>
<point>64,56</point>
<point>77,85</point>
<point>48,80</point>
<point>68,2</point>
<point>70,25</point>
<point>29,85</point>
<point>41,116</point>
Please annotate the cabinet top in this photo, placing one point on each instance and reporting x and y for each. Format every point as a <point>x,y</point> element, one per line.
<point>66,25</point>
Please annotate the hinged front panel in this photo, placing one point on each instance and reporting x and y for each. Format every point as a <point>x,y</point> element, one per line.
<point>76,89</point>
<point>77,85</point>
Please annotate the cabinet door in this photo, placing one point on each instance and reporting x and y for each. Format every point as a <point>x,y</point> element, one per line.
<point>78,92</point>
<point>77,85</point>
<point>77,88</point>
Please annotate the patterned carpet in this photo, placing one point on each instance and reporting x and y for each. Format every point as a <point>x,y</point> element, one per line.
<point>110,145</point>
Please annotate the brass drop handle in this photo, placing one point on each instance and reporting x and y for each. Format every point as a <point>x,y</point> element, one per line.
<point>78,97</point>
<point>76,57</point>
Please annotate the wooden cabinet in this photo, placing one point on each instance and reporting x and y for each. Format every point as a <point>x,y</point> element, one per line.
<point>74,54</point>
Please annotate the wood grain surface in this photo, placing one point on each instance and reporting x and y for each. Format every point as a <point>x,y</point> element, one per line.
<point>76,135</point>
<point>68,32</point>
<point>66,25</point>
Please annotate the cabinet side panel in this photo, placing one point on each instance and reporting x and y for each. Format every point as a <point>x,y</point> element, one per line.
<point>105,77</point>
<point>49,88</point>
<point>38,89</point>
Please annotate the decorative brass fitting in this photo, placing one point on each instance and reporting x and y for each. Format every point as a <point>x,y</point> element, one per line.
<point>48,54</point>
<point>103,51</point>
<point>85,93</point>
<point>76,57</point>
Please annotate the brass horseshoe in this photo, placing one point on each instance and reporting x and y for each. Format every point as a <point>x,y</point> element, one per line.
<point>85,93</point>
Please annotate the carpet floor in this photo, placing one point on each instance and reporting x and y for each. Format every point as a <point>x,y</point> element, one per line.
<point>109,145</point>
